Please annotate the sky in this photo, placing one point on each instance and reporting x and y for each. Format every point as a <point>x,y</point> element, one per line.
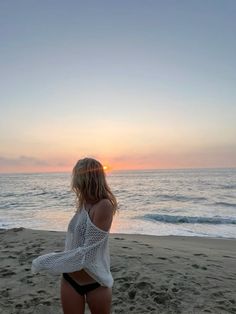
<point>134,84</point>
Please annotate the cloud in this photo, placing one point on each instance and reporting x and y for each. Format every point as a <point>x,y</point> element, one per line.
<point>29,163</point>
<point>22,161</point>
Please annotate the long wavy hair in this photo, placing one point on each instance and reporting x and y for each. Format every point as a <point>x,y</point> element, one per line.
<point>89,183</point>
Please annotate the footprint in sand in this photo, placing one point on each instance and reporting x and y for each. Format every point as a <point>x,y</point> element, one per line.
<point>132,294</point>
<point>36,299</point>
<point>161,297</point>
<point>124,287</point>
<point>28,280</point>
<point>150,308</point>
<point>223,302</point>
<point>147,245</point>
<point>6,272</point>
<point>119,238</point>
<point>175,289</point>
<point>12,257</point>
<point>217,294</point>
<point>121,279</point>
<point>200,254</point>
<point>5,251</point>
<point>48,303</point>
<point>197,267</point>
<point>9,246</point>
<point>4,293</point>
<point>143,285</point>
<point>115,269</point>
<point>18,306</point>
<point>227,256</point>
<point>218,266</point>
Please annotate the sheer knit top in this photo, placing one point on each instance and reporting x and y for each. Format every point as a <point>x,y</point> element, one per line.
<point>86,247</point>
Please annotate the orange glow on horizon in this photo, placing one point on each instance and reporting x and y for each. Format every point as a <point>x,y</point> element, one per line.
<point>42,164</point>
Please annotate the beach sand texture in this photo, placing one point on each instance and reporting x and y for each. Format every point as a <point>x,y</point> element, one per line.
<point>151,274</point>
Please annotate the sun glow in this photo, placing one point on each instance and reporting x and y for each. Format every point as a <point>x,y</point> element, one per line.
<point>106,168</point>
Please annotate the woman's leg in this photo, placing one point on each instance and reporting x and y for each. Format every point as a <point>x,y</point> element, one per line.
<point>99,300</point>
<point>72,302</point>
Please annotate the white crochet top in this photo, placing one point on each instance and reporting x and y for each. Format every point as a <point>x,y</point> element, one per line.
<point>86,247</point>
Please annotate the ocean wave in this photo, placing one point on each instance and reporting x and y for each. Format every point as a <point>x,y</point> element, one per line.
<point>8,194</point>
<point>180,198</point>
<point>228,186</point>
<point>190,219</point>
<point>225,204</point>
<point>24,194</point>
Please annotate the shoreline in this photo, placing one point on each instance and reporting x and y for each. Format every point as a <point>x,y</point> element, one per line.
<point>152,274</point>
<point>127,234</point>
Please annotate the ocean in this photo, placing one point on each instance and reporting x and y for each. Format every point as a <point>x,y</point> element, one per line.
<point>190,202</point>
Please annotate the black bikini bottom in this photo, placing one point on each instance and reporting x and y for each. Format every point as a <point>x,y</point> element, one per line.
<point>81,289</point>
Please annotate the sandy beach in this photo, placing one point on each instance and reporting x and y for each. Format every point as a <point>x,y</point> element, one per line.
<point>152,274</point>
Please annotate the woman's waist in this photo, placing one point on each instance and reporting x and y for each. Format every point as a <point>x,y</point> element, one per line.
<point>82,277</point>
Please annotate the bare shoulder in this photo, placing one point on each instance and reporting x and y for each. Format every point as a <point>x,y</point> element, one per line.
<point>103,214</point>
<point>104,205</point>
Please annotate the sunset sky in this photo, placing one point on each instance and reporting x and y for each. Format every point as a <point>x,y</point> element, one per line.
<point>136,84</point>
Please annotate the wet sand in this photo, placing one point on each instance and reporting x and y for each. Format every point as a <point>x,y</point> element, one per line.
<point>151,274</point>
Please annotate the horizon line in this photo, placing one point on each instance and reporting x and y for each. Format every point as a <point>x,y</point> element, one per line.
<point>124,170</point>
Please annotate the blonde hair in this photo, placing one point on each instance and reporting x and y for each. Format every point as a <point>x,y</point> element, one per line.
<point>89,183</point>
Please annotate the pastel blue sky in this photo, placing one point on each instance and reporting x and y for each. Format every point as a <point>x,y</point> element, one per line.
<point>137,84</point>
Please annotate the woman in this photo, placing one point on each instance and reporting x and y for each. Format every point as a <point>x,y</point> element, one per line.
<point>85,262</point>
